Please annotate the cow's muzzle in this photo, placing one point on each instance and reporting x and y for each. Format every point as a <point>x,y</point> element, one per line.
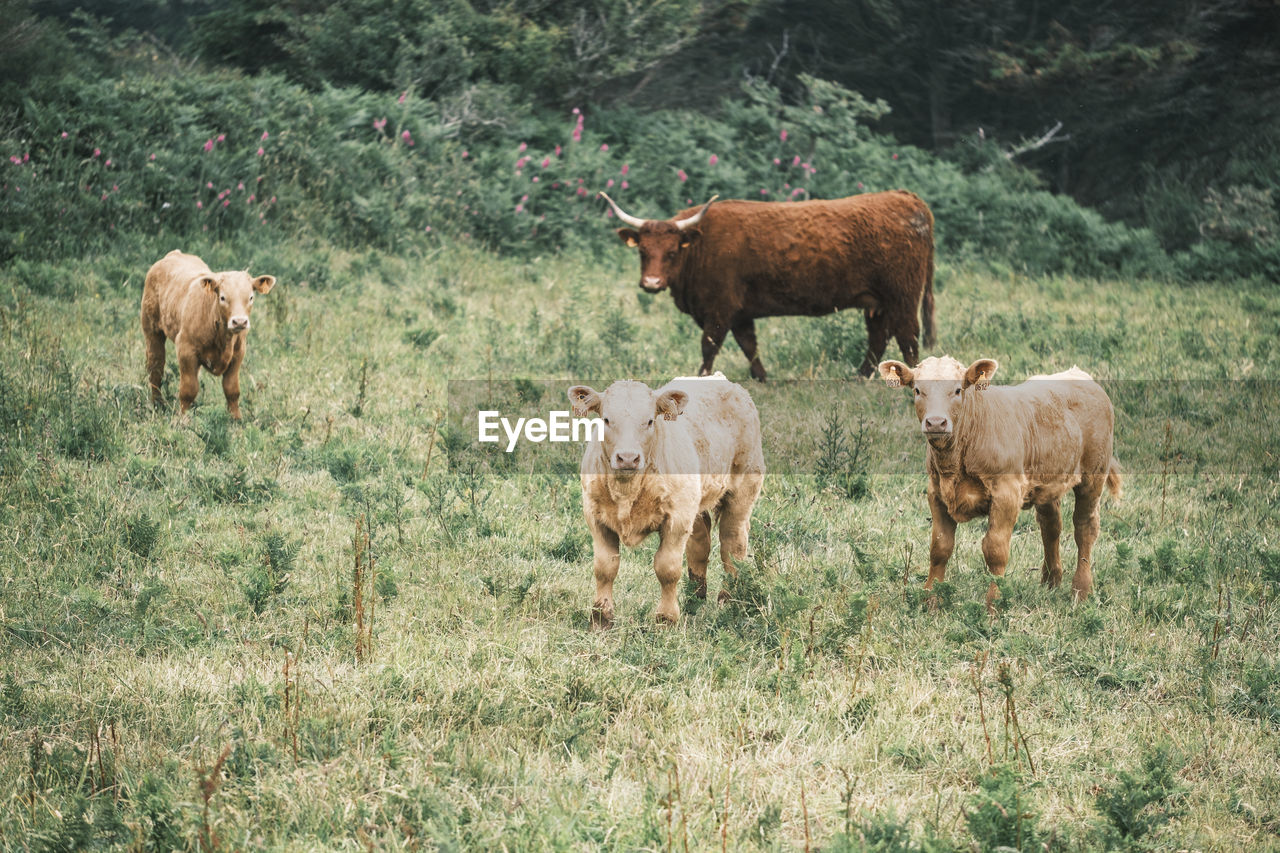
<point>238,324</point>
<point>936,425</point>
<point>652,284</point>
<point>626,461</point>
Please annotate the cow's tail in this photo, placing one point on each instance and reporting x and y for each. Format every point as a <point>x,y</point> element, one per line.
<point>926,306</point>
<point>1115,483</point>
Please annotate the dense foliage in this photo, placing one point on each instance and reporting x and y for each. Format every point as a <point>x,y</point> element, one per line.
<point>123,133</point>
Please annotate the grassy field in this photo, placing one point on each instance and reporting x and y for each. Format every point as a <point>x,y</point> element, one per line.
<point>340,624</point>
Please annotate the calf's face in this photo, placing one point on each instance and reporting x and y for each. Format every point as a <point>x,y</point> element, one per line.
<point>660,243</point>
<point>630,411</point>
<point>235,291</point>
<point>939,385</point>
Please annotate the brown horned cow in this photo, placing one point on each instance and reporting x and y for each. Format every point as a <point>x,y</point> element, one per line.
<point>207,316</point>
<point>996,450</point>
<point>675,461</point>
<point>734,262</point>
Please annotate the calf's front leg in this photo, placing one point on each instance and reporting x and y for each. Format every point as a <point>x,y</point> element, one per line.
<point>666,565</point>
<point>604,546</point>
<point>942,539</point>
<point>189,377</point>
<point>231,384</point>
<point>1005,503</point>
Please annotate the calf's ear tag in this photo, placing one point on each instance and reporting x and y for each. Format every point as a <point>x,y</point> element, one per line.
<point>983,382</point>
<point>667,416</point>
<point>893,382</point>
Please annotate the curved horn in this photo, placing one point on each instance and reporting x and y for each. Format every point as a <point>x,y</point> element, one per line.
<point>696,218</point>
<point>622,215</point>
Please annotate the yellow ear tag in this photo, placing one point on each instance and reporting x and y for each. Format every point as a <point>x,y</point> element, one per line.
<point>983,383</point>
<point>893,382</point>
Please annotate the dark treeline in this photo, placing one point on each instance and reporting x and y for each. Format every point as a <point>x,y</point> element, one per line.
<point>1164,115</point>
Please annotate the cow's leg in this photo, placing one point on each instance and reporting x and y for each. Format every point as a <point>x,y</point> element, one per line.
<point>907,334</point>
<point>712,337</point>
<point>698,550</point>
<point>604,545</point>
<point>154,339</point>
<point>735,526</point>
<point>666,565</point>
<point>877,340</point>
<point>1087,520</point>
<point>942,540</point>
<point>744,332</point>
<point>231,384</point>
<point>1005,504</point>
<point>188,377</point>
<point>1050,518</point>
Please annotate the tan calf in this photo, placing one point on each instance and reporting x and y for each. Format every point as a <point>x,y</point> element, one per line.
<point>206,314</point>
<point>672,462</point>
<point>996,450</point>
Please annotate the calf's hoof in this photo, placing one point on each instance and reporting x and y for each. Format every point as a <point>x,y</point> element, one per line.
<point>601,617</point>
<point>667,617</point>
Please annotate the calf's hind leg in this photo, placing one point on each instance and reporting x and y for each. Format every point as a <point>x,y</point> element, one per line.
<point>1050,519</point>
<point>1087,523</point>
<point>697,551</point>
<point>735,526</point>
<point>155,361</point>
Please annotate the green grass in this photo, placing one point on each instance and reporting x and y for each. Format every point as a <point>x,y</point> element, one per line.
<point>158,575</point>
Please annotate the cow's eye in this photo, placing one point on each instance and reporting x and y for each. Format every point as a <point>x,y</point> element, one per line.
<point>917,390</point>
<point>222,298</point>
<point>606,421</point>
<point>957,392</point>
<point>250,297</point>
<point>650,421</point>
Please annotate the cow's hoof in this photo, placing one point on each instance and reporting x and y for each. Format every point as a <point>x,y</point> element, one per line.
<point>601,620</point>
<point>665,618</point>
<point>723,596</point>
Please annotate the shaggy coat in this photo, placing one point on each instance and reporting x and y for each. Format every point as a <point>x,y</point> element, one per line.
<point>996,450</point>
<point>206,315</point>
<point>673,462</point>
<point>744,260</point>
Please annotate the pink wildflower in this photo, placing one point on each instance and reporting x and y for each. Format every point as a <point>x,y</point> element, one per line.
<point>199,205</point>
<point>264,136</point>
<point>535,179</point>
<point>577,111</point>
<point>208,146</point>
<point>524,197</point>
<point>625,168</point>
<point>209,185</point>
<point>764,191</point>
<point>859,184</point>
<point>777,162</point>
<point>261,151</point>
<point>796,161</point>
<point>115,188</point>
<point>783,135</point>
<point>558,150</point>
<point>222,137</point>
<point>523,147</point>
<point>682,176</point>
<point>546,161</point>
<point>227,202</point>
<point>519,208</point>
<point>153,156</point>
<point>64,134</point>
<point>577,134</point>
<point>107,164</point>
<point>626,185</point>
<point>97,151</point>
<point>240,185</point>
<point>465,155</point>
<point>582,191</point>
<point>609,184</point>
<point>713,159</point>
<point>895,156</point>
<point>378,124</point>
<point>604,146</point>
<point>403,95</point>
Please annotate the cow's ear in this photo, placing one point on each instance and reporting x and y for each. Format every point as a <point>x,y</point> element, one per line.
<point>210,283</point>
<point>896,374</point>
<point>980,372</point>
<point>688,237</point>
<point>264,283</point>
<point>670,404</point>
<point>629,236</point>
<point>584,400</point>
